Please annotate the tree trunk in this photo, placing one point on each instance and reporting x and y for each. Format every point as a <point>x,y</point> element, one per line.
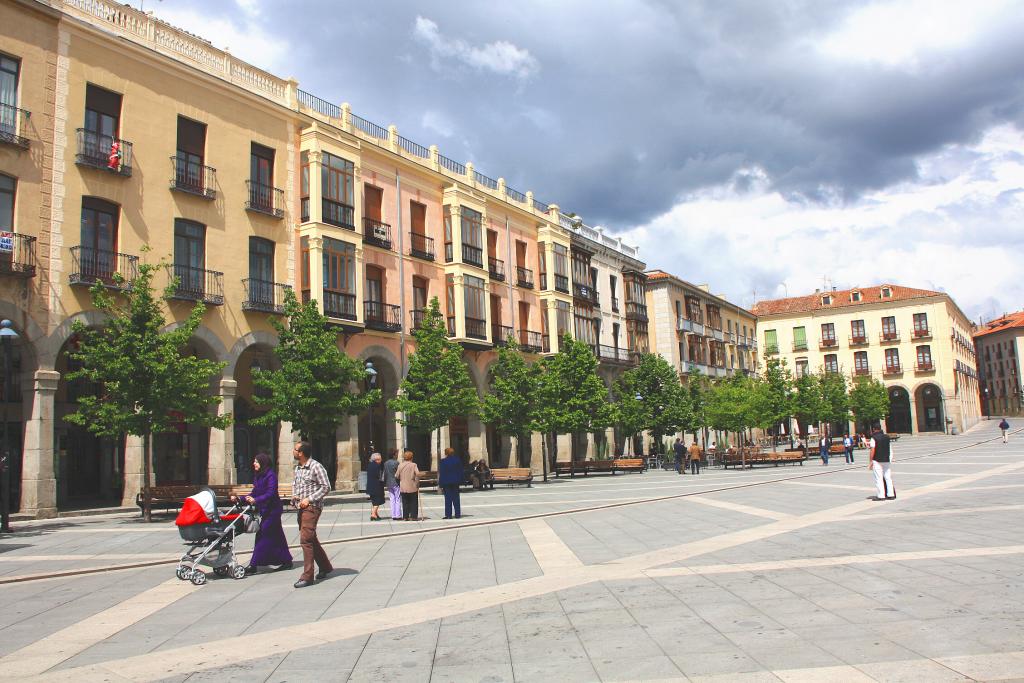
<point>147,459</point>
<point>544,454</point>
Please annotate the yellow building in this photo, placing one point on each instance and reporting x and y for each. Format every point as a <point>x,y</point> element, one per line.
<point>998,344</point>
<point>916,341</point>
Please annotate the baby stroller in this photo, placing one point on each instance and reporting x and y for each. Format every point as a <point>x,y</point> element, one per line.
<point>210,536</point>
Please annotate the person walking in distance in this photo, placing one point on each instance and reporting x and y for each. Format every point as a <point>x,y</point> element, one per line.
<point>823,449</point>
<point>680,451</point>
<point>880,463</point>
<point>449,478</point>
<point>375,485</point>
<point>848,448</point>
<point>309,487</point>
<point>391,484</point>
<point>408,476</point>
<point>694,458</point>
<point>1004,426</point>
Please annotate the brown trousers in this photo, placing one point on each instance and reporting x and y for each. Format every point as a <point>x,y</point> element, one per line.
<point>311,548</point>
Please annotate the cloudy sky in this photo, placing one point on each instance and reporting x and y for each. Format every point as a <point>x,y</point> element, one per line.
<point>760,147</point>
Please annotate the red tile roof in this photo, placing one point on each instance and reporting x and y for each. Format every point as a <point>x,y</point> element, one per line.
<point>1007,322</point>
<point>840,299</point>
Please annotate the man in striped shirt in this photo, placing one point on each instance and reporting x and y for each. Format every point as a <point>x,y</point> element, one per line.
<point>308,490</point>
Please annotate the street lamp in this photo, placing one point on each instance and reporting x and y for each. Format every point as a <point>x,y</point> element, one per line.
<point>371,384</point>
<point>7,338</point>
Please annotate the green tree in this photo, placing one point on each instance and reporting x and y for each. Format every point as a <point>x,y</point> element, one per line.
<point>729,404</point>
<point>318,385</point>
<point>570,397</point>
<point>834,400</point>
<point>663,407</point>
<point>869,401</point>
<point>806,403</point>
<point>697,392</point>
<point>145,384</point>
<point>438,386</point>
<point>508,404</point>
<point>771,397</point>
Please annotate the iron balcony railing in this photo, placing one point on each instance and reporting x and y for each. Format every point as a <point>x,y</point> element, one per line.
<point>474,256</point>
<point>417,316</point>
<point>561,283</point>
<point>338,214</point>
<point>496,269</point>
<point>193,178</point>
<point>12,122</point>
<point>500,334</point>
<point>893,369</point>
<point>889,335</point>
<point>265,199</point>
<point>263,295</point>
<point>584,291</point>
<point>613,354</point>
<point>827,343</point>
<point>636,310</point>
<point>861,371</point>
<point>96,150</point>
<point>922,332</point>
<point>421,246</point>
<point>524,277</point>
<point>17,254</point>
<point>199,284</point>
<point>90,265</point>
<point>771,348</point>
<point>925,366</point>
<point>715,332</point>
<point>476,328</point>
<point>858,339</point>
<point>376,233</point>
<point>689,326</point>
<point>800,346</point>
<point>339,305</point>
<point>381,316</point>
<point>531,342</point>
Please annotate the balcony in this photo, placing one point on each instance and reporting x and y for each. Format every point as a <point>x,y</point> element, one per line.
<point>193,178</point>
<point>473,256</point>
<point>925,366</point>
<point>417,316</point>
<point>615,304</point>
<point>13,120</point>
<point>376,233</point>
<point>892,369</point>
<point>524,277</point>
<point>858,340</point>
<point>861,371</point>
<point>828,343</point>
<point>103,152</point>
<point>717,334</point>
<point>889,336</point>
<point>531,342</point>
<point>500,334</point>
<point>381,316</point>
<point>476,328</point>
<point>89,266</point>
<point>771,349</point>
<point>731,337</point>
<point>800,346</point>
<point>263,296</point>
<point>338,214</point>
<point>636,311</point>
<point>561,283</point>
<point>264,199</point>
<point>691,366</point>
<point>421,246</point>
<point>339,305</point>
<point>613,354</point>
<point>17,254</point>
<point>198,284</point>
<point>690,326</point>
<point>922,333</point>
<point>496,269</point>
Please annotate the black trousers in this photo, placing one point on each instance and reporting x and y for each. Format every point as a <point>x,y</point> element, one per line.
<point>410,505</point>
<point>452,500</point>
<point>695,467</point>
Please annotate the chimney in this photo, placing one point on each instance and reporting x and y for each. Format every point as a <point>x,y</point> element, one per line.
<point>833,288</point>
<point>816,290</point>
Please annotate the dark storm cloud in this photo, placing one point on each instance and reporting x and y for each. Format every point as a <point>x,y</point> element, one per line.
<point>629,106</point>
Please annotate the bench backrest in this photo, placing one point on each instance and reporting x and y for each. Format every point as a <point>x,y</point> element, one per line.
<point>511,472</point>
<point>629,462</point>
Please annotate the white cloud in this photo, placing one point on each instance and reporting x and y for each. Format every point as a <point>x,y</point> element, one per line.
<point>960,229</point>
<point>500,57</point>
<point>437,122</point>
<point>242,35</point>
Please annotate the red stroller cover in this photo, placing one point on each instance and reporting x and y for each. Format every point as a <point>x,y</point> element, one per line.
<point>198,509</point>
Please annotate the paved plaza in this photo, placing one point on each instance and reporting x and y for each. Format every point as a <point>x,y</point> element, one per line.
<point>780,573</point>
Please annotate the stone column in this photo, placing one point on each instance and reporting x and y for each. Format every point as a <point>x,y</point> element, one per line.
<point>132,469</point>
<point>221,459</point>
<point>477,439</point>
<point>564,446</point>
<point>347,477</point>
<point>38,484</point>
<point>286,440</point>
<point>537,454</point>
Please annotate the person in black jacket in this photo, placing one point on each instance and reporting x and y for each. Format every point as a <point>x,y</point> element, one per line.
<point>449,478</point>
<point>880,463</point>
<point>375,485</point>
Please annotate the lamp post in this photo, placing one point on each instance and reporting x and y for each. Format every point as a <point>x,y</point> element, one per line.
<point>371,384</point>
<point>7,338</point>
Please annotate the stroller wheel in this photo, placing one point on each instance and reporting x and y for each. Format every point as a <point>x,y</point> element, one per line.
<point>238,571</point>
<point>221,571</point>
<point>198,577</point>
<point>184,573</point>
<point>180,572</point>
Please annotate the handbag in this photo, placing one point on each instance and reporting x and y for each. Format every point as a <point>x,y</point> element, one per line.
<point>252,523</point>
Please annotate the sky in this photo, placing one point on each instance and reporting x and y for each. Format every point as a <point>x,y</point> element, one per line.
<point>764,148</point>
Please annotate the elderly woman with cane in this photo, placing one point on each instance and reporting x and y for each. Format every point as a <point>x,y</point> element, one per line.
<point>375,485</point>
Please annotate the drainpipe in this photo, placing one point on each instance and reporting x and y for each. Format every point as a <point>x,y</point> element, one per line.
<point>401,291</point>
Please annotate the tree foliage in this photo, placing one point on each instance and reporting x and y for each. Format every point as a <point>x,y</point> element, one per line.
<point>730,404</point>
<point>697,388</point>
<point>508,404</point>
<point>869,400</point>
<point>835,404</point>
<point>438,386</point>
<point>318,385</point>
<point>806,403</point>
<point>771,396</point>
<point>664,405</point>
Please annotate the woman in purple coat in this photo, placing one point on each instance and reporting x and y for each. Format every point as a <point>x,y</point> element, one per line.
<point>271,545</point>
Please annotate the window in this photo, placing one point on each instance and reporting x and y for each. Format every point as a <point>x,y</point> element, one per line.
<point>542,265</point>
<point>771,341</point>
<point>924,357</point>
<point>801,367</point>
<point>190,255</point>
<point>418,218</point>
<point>98,238</point>
<point>420,287</point>
<point>102,122</point>
<point>855,296</point>
<point>920,324</point>
<point>261,271</point>
<point>593,280</point>
<point>860,362</point>
<point>892,360</point>
<point>374,285</point>
<point>580,267</point>
<point>9,72</point>
<point>584,325</point>
<point>373,202</point>
<point>693,309</point>
<point>339,266</point>
<point>475,301</point>
<point>826,300</point>
<point>304,186</point>
<point>857,333</point>
<point>8,188</point>
<point>714,316</point>
<point>562,317</point>
<point>448,238</point>
<point>261,177</point>
<point>695,348</point>
<point>886,292</point>
<point>799,339</point>
<point>337,183</point>
<point>889,328</point>
<point>615,335</point>
<point>472,227</point>
<point>831,362</point>
<point>561,267</point>
<point>679,310</point>
<point>520,254</point>
<point>828,334</point>
<point>190,171</point>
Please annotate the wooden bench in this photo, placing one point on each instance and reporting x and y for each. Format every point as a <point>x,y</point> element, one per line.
<point>627,465</point>
<point>428,479</point>
<point>512,476</point>
<point>225,491</point>
<point>583,467</point>
<point>757,457</point>
<point>166,497</point>
<point>836,449</point>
